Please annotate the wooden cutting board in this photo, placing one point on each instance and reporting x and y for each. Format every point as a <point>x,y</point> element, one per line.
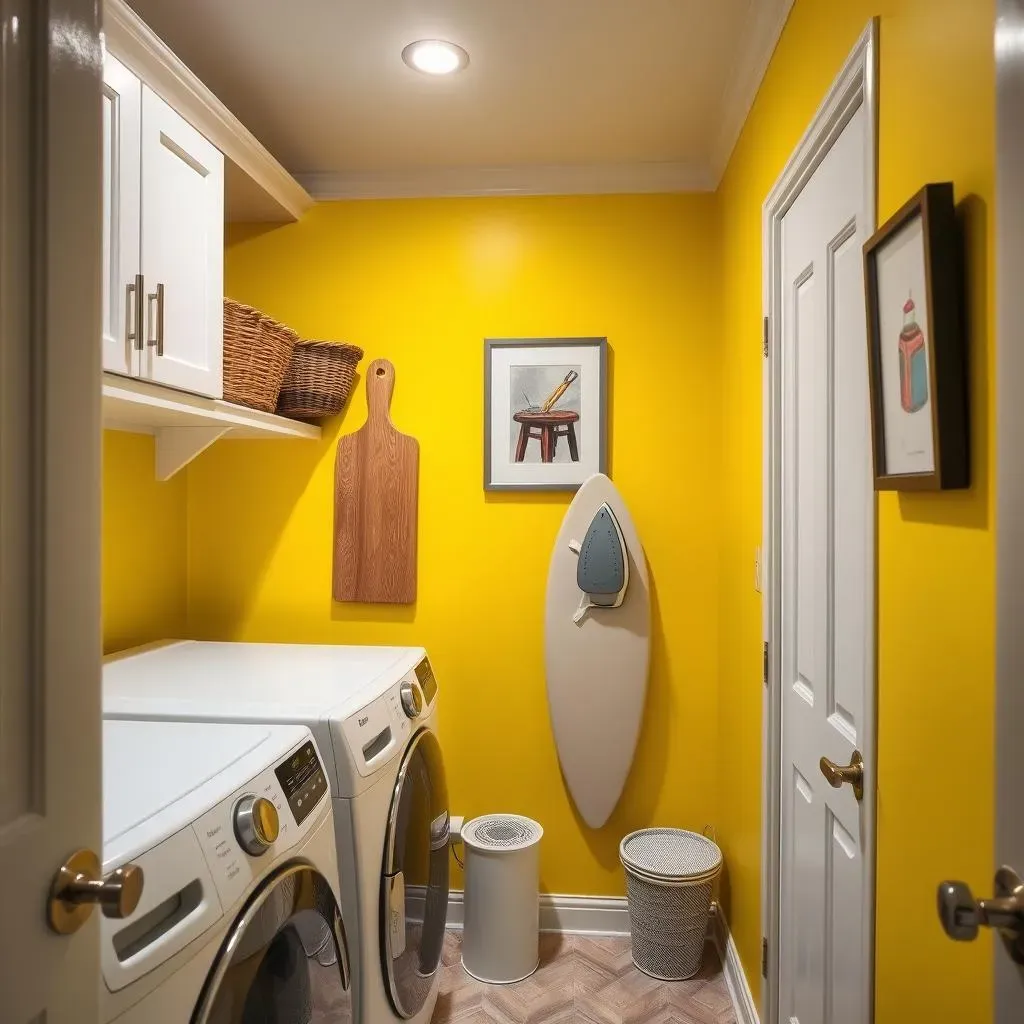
<point>376,486</point>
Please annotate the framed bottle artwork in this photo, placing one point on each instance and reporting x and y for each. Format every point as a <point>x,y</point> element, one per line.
<point>916,349</point>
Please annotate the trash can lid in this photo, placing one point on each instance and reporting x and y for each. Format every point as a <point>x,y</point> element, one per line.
<point>670,853</point>
<point>501,832</point>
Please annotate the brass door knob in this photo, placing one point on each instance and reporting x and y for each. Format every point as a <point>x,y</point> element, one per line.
<point>853,773</point>
<point>78,886</point>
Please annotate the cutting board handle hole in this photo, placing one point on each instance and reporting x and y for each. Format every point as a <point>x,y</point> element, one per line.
<point>381,371</point>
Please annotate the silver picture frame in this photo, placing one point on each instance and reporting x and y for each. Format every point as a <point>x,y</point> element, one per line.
<point>596,437</point>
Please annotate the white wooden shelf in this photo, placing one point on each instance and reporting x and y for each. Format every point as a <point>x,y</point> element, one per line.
<point>257,187</point>
<point>185,425</point>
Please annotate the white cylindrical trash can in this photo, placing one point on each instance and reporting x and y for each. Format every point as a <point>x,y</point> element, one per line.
<point>501,930</point>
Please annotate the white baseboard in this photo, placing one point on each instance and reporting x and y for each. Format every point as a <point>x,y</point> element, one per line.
<point>574,915</point>
<point>735,977</point>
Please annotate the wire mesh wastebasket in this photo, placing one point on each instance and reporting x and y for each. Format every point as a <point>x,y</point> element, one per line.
<point>670,874</point>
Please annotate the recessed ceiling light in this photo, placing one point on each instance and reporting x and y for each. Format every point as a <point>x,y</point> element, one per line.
<point>435,57</point>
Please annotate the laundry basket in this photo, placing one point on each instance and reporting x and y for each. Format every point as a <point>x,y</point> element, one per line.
<point>669,877</point>
<point>501,933</point>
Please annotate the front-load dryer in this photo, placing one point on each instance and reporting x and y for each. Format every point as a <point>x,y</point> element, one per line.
<point>372,711</point>
<point>233,830</point>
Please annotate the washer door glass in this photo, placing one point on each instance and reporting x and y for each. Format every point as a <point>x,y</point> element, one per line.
<point>285,960</point>
<point>414,897</point>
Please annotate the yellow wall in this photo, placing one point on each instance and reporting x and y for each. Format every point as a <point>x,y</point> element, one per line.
<point>144,550</point>
<point>423,283</point>
<point>935,552</point>
<point>675,283</point>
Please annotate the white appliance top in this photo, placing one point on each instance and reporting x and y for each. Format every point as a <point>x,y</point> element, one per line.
<point>159,777</point>
<point>235,682</point>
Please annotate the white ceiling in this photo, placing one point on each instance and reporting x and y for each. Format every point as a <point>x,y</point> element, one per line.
<point>604,95</point>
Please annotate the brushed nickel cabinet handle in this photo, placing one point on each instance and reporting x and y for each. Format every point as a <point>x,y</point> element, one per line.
<point>158,297</point>
<point>133,313</point>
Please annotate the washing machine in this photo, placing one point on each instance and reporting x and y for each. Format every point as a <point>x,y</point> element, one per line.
<point>239,918</point>
<point>372,712</point>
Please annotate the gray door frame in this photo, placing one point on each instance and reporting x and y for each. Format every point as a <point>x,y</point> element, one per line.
<point>1008,221</point>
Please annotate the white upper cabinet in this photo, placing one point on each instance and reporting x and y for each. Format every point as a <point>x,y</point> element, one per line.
<point>182,251</point>
<point>122,117</point>
<point>163,240</point>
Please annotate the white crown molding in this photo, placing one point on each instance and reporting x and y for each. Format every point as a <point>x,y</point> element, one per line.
<point>527,180</point>
<point>735,977</point>
<point>764,29</point>
<point>137,46</point>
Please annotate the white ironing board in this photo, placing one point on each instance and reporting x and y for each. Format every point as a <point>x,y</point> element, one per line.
<point>597,668</point>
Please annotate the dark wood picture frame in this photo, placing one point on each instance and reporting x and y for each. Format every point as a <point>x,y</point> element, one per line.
<point>601,345</point>
<point>946,351</point>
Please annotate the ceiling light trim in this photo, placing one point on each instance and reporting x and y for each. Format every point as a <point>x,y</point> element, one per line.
<point>453,50</point>
<point>754,55</point>
<point>527,180</point>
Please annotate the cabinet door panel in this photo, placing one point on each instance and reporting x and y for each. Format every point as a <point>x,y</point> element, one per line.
<point>182,250</point>
<point>122,117</point>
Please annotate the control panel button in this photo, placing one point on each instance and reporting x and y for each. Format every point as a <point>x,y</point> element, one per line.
<point>412,699</point>
<point>257,825</point>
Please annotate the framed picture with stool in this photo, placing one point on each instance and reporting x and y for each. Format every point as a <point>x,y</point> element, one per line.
<point>545,412</point>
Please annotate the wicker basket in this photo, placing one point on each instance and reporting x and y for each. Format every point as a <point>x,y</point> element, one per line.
<point>256,353</point>
<point>318,380</point>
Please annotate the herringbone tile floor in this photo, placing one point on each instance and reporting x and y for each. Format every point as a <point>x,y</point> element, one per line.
<point>582,980</point>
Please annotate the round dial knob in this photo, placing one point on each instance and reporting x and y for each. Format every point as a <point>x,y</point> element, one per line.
<point>256,824</point>
<point>412,699</point>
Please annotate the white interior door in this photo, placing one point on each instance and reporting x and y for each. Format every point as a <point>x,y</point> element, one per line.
<point>122,208</point>
<point>1009,227</point>
<point>50,241</point>
<point>182,251</point>
<point>827,592</point>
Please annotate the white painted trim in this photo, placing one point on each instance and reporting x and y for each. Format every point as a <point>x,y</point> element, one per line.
<point>186,425</point>
<point>855,86</point>
<point>764,29</point>
<point>528,180</point>
<point>572,915</point>
<point>1009,537</point>
<point>176,447</point>
<point>735,977</point>
<point>136,45</point>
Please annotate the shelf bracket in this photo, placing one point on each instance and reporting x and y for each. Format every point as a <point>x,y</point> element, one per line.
<point>176,447</point>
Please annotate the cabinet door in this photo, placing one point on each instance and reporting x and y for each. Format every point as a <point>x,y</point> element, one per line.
<point>122,118</point>
<point>182,251</point>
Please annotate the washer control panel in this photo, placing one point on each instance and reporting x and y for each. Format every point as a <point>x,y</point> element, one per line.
<point>294,788</point>
<point>382,727</point>
<point>303,781</point>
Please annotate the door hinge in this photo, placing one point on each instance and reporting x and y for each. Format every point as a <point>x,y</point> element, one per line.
<point>765,338</point>
<point>764,665</point>
<point>764,958</point>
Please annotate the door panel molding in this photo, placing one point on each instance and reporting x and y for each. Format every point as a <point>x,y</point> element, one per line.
<point>854,88</point>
